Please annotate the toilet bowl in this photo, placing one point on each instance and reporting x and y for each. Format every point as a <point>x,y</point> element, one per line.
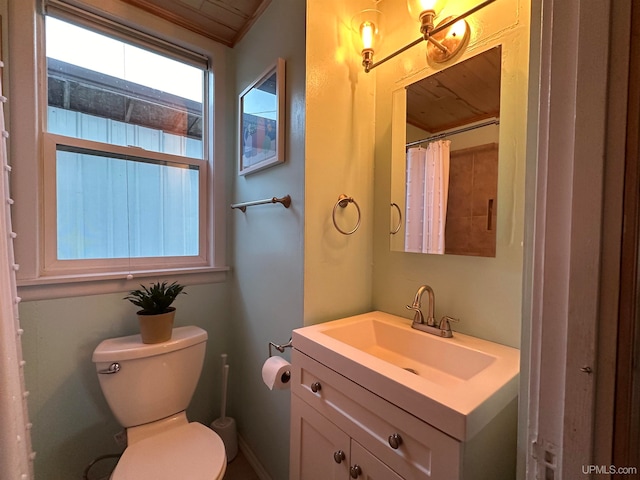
<point>148,388</point>
<point>185,452</point>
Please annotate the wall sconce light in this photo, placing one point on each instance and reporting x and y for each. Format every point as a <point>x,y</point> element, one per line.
<point>367,25</point>
<point>425,11</point>
<point>444,40</point>
<point>446,43</point>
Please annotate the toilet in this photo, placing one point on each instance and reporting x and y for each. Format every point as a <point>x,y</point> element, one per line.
<point>148,388</point>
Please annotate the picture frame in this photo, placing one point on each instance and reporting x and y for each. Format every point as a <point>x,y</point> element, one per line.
<point>261,121</point>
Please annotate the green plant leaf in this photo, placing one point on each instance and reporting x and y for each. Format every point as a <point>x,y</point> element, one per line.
<point>155,299</point>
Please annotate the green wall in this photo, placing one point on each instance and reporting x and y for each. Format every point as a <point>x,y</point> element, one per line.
<point>484,293</point>
<point>290,267</point>
<point>72,424</point>
<point>260,302</point>
<point>266,242</point>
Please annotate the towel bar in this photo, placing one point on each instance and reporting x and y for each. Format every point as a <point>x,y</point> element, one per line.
<point>285,201</point>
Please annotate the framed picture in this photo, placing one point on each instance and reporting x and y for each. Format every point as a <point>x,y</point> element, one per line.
<point>261,121</point>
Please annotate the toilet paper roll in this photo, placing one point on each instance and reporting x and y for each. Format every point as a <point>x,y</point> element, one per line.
<point>276,373</point>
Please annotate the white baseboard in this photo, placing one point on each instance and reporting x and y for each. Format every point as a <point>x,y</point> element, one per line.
<point>252,459</point>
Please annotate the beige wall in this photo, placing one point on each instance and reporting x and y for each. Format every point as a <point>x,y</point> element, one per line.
<point>485,293</point>
<point>339,160</point>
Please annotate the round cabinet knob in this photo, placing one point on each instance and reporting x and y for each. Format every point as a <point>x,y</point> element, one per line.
<point>395,441</point>
<point>355,471</point>
<point>339,456</point>
<point>316,387</point>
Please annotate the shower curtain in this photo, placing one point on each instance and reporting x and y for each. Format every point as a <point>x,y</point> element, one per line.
<point>16,459</point>
<point>427,195</point>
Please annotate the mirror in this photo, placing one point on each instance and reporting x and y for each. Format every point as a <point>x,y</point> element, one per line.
<point>261,125</point>
<point>444,172</point>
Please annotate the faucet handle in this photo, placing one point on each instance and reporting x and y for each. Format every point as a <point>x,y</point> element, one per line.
<point>444,323</point>
<point>417,317</point>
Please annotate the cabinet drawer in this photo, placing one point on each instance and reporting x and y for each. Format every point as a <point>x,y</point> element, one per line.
<point>423,451</point>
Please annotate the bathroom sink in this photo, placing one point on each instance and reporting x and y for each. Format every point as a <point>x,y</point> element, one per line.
<point>441,361</point>
<point>456,384</point>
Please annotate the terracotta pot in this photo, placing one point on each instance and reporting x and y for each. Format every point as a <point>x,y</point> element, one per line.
<point>156,328</point>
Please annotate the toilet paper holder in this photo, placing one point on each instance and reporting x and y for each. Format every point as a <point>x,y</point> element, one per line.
<point>280,348</point>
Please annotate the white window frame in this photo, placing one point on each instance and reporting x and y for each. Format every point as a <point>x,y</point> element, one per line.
<point>54,266</point>
<point>32,154</point>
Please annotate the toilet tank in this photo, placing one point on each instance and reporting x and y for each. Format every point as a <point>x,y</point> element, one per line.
<point>154,381</point>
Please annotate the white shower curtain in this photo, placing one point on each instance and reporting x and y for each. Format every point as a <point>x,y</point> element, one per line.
<point>427,195</point>
<point>16,461</point>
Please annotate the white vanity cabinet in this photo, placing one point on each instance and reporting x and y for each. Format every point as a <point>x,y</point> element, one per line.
<point>400,402</point>
<point>339,429</point>
<point>324,452</point>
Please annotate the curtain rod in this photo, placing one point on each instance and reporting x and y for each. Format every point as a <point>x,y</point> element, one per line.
<point>495,121</point>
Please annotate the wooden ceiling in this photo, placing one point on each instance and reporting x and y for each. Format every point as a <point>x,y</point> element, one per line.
<point>224,21</point>
<point>461,94</point>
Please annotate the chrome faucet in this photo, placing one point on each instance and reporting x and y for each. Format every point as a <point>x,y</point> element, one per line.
<point>418,318</point>
<point>429,325</point>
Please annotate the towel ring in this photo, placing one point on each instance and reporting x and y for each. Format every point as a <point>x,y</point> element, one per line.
<point>397,229</point>
<point>342,202</point>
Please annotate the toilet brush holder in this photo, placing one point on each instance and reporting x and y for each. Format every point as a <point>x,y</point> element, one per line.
<point>225,426</point>
<point>226,430</point>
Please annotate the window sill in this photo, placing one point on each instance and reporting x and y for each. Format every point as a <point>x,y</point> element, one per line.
<point>62,286</point>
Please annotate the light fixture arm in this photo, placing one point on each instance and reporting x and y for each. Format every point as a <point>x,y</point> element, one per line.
<point>480,6</point>
<point>397,52</point>
<point>427,34</point>
<point>436,43</point>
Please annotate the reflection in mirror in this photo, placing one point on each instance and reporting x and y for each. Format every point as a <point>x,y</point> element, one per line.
<point>445,160</point>
<point>259,116</point>
<point>260,132</point>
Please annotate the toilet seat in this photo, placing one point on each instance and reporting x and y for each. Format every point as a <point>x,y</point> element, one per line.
<point>190,451</point>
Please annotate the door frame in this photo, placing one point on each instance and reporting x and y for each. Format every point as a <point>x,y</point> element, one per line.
<point>574,173</point>
<point>626,424</point>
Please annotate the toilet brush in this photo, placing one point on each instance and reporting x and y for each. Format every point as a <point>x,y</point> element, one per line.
<point>225,426</point>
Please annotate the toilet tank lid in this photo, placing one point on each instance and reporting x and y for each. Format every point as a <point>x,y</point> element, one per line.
<point>131,347</point>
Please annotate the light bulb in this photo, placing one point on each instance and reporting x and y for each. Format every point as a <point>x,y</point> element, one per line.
<point>424,11</point>
<point>417,8</point>
<point>427,4</point>
<point>366,26</point>
<point>367,33</point>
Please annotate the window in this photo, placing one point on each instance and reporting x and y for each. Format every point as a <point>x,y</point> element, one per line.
<point>111,203</point>
<point>108,90</point>
<point>126,178</point>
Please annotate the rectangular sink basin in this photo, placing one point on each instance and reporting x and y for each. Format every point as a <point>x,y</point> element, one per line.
<point>455,384</point>
<point>443,361</point>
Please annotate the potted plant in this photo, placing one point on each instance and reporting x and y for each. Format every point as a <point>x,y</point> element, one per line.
<point>156,314</point>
